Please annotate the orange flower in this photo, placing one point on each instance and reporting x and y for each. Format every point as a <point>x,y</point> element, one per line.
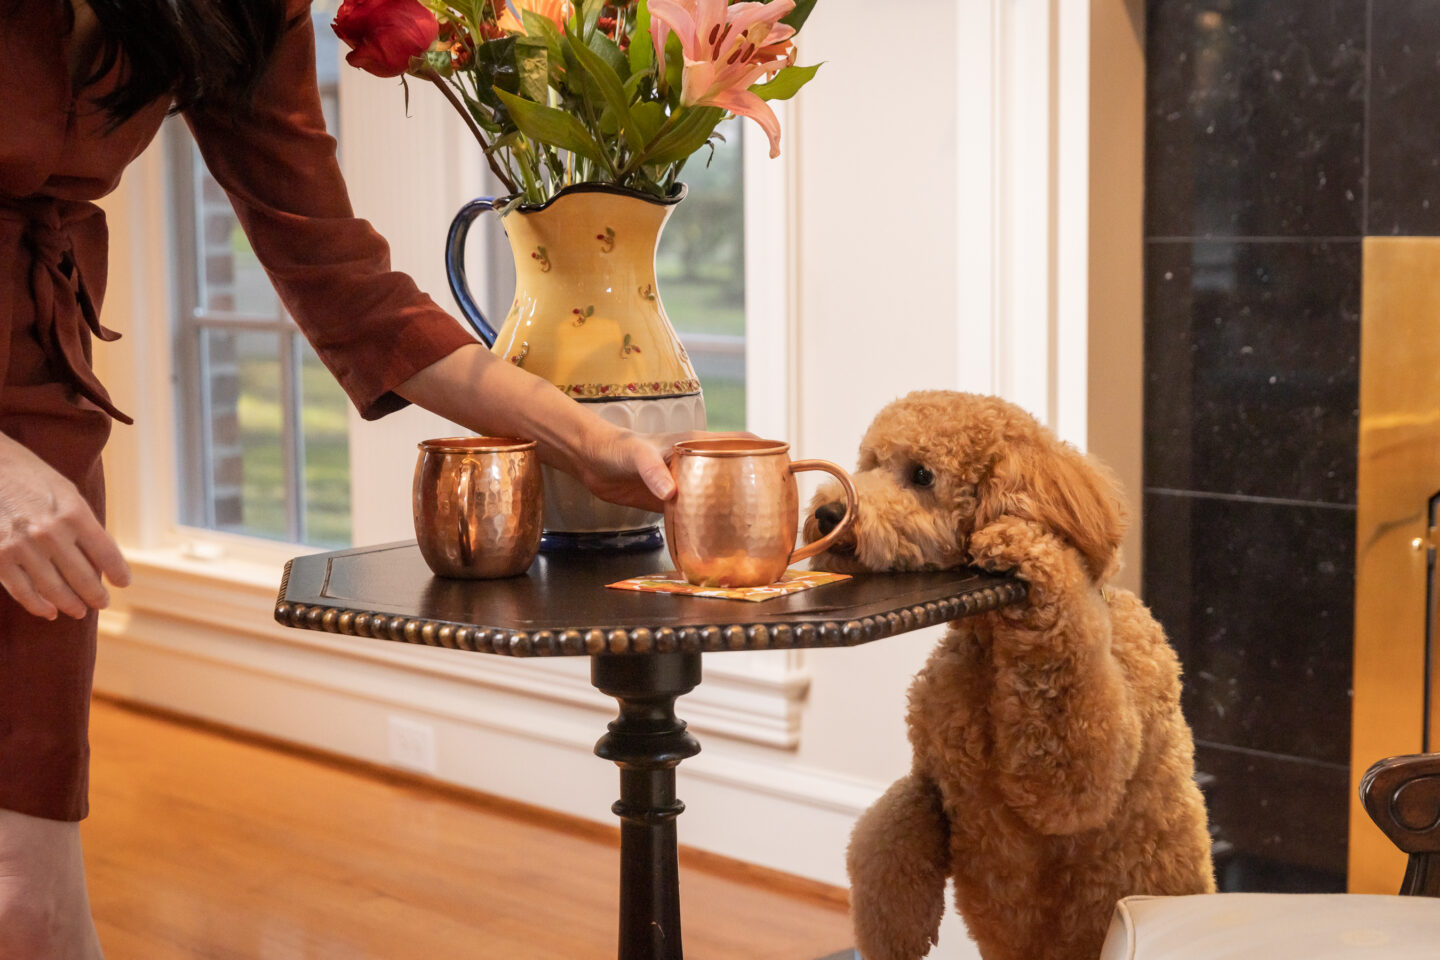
<point>556,11</point>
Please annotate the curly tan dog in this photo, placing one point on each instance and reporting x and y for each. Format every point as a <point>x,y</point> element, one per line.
<point>1053,773</point>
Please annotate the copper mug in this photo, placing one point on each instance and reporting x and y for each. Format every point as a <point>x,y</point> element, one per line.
<point>736,511</point>
<point>478,506</point>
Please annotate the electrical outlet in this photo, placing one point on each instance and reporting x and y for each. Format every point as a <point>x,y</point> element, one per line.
<point>412,745</point>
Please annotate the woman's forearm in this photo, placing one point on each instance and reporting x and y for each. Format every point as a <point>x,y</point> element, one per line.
<point>480,391</point>
<point>475,388</point>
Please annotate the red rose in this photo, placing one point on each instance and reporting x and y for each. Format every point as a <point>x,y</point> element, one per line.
<point>384,34</point>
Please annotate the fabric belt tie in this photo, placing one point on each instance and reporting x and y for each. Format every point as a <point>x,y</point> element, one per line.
<point>62,304</point>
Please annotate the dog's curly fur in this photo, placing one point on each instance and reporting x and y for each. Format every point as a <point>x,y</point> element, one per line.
<point>1053,772</point>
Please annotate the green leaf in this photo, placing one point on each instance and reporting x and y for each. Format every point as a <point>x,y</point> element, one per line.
<point>642,47</point>
<point>674,66</point>
<point>786,83</point>
<point>797,17</point>
<point>641,53</point>
<point>685,136</point>
<point>612,89</point>
<point>607,50</point>
<point>494,67</point>
<point>632,86</point>
<point>550,126</point>
<point>545,29</point>
<point>591,15</point>
<point>532,62</point>
<point>649,117</point>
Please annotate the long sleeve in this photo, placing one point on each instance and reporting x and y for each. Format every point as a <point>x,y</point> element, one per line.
<point>371,326</point>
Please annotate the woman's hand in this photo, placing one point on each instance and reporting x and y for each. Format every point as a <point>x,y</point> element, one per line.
<point>633,468</point>
<point>52,549</point>
<point>626,467</point>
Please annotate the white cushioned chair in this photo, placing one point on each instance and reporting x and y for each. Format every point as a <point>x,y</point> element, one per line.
<point>1402,796</point>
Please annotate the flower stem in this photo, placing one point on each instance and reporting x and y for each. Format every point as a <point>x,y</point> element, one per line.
<point>638,160</point>
<point>479,134</point>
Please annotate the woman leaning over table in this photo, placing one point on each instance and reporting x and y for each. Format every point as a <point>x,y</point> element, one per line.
<point>84,88</point>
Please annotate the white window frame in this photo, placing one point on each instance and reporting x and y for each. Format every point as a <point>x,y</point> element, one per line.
<point>1023,210</point>
<point>194,322</point>
<point>1048,271</point>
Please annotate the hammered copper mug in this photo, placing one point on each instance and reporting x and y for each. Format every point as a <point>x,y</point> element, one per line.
<point>478,506</point>
<point>736,511</point>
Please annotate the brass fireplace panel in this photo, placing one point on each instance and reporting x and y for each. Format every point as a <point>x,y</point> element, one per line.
<point>1399,477</point>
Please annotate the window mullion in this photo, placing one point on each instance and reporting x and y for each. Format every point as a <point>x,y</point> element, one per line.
<point>292,437</point>
<point>206,430</point>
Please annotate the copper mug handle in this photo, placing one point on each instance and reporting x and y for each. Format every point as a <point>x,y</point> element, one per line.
<point>464,480</point>
<point>851,504</point>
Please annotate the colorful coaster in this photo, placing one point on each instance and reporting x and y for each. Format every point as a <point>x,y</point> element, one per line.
<point>670,582</point>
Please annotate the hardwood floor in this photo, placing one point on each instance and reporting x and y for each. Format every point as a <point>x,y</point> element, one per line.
<point>203,846</point>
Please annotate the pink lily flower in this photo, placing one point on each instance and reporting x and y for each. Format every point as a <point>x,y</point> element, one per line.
<point>728,47</point>
<point>557,11</point>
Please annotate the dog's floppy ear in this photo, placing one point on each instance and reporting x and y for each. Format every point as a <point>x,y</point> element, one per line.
<point>1057,486</point>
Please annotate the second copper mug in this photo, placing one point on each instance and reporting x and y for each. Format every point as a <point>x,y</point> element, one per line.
<point>736,511</point>
<point>478,506</point>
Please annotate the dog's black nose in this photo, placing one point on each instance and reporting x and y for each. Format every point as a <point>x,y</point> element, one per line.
<point>829,516</point>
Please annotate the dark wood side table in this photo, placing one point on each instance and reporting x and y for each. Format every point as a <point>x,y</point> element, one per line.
<point>645,651</point>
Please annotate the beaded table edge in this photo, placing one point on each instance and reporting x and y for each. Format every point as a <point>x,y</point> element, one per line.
<point>640,640</point>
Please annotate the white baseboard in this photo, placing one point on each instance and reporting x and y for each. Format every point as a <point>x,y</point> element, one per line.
<point>528,744</point>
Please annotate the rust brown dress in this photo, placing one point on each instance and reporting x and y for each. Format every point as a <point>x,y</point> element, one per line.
<point>370,325</point>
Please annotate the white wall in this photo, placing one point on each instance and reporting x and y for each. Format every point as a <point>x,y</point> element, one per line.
<point>886,214</point>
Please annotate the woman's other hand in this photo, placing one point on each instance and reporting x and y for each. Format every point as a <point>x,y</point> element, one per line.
<point>52,549</point>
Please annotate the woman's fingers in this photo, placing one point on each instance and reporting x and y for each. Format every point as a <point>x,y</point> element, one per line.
<point>48,582</point>
<point>103,553</point>
<point>17,583</point>
<point>53,551</point>
<point>81,576</point>
<point>59,561</point>
<point>650,464</point>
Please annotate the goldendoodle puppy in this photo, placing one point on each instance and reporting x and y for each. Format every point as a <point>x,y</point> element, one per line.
<point>1053,773</point>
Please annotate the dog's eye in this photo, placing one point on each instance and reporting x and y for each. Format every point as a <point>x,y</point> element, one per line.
<point>921,476</point>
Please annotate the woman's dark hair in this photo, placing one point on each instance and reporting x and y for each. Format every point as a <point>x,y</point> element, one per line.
<point>198,52</point>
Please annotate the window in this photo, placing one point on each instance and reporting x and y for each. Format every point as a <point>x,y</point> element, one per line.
<point>701,268</point>
<point>263,427</point>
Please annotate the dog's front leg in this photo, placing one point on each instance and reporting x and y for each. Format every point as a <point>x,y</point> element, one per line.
<point>898,862</point>
<point>1067,734</point>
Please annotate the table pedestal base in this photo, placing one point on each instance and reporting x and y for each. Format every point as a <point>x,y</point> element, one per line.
<point>647,742</point>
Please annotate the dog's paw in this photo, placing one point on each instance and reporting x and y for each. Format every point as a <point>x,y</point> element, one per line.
<point>1009,544</point>
<point>1032,553</point>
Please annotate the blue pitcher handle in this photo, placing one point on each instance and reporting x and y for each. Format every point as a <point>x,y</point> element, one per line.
<point>455,266</point>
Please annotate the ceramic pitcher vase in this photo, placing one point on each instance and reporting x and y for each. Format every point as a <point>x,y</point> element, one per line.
<point>587,317</point>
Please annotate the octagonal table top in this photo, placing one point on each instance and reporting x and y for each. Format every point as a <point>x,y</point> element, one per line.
<point>562,606</point>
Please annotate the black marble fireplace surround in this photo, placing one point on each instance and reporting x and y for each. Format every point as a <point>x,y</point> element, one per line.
<point>1279,134</point>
